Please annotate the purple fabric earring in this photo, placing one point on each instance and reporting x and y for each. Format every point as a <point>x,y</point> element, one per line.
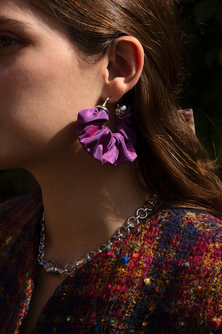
<point>98,140</point>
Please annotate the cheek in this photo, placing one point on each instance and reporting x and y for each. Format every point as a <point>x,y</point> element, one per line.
<point>37,91</point>
<point>40,96</point>
<point>36,111</point>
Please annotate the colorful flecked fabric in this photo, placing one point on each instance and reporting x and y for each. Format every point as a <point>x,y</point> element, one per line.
<point>165,277</point>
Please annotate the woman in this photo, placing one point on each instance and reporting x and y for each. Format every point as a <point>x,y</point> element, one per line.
<point>58,60</point>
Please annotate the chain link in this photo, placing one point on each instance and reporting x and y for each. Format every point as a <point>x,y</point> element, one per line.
<point>53,267</point>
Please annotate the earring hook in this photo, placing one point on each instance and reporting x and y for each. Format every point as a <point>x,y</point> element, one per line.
<point>103,106</point>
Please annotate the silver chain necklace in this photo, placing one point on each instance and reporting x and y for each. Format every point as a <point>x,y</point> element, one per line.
<point>53,267</point>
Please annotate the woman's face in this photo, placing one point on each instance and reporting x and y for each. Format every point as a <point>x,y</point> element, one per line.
<point>43,85</point>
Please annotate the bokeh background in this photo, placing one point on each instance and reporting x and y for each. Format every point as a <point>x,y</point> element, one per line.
<point>201,21</point>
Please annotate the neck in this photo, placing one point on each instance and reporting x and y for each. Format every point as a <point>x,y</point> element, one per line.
<point>85,203</point>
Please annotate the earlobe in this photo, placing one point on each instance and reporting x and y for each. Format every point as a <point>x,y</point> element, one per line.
<point>126,59</point>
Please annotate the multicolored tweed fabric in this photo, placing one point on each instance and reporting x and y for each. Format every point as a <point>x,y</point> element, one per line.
<point>164,277</point>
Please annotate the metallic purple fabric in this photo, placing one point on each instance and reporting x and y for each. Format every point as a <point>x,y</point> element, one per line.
<point>98,140</point>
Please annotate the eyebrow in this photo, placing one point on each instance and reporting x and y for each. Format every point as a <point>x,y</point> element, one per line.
<point>13,23</point>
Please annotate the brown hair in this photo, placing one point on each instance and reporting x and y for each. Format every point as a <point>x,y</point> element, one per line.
<point>171,160</point>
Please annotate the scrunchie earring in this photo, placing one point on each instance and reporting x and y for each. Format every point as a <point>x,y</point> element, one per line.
<point>99,141</point>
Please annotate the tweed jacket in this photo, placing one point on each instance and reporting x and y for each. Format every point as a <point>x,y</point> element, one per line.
<point>164,277</point>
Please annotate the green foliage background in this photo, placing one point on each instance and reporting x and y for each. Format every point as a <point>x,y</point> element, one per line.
<point>202,24</point>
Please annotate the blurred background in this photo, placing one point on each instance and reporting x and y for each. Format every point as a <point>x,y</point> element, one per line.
<point>202,24</point>
<point>201,21</point>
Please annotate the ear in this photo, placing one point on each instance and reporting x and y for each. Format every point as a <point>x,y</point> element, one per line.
<point>125,65</point>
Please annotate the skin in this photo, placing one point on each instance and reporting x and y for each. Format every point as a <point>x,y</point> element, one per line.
<point>42,67</point>
<point>44,83</point>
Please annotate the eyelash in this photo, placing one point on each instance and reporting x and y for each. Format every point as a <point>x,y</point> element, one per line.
<point>6,38</point>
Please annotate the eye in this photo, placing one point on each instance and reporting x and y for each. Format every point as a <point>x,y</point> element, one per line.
<point>6,41</point>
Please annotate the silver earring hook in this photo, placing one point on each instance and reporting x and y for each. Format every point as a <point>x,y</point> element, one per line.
<point>105,103</point>
<point>103,106</point>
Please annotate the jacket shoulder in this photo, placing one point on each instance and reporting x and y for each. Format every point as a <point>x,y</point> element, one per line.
<point>15,214</point>
<point>195,218</point>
